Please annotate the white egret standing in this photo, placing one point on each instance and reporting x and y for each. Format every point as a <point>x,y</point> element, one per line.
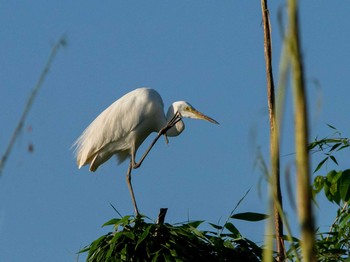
<point>122,127</point>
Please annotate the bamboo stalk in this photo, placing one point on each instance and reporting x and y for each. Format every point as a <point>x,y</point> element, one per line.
<point>304,196</point>
<point>274,135</point>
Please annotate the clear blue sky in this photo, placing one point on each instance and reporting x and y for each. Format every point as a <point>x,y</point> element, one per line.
<point>209,53</point>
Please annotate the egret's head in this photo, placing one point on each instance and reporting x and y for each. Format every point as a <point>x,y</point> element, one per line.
<point>187,110</point>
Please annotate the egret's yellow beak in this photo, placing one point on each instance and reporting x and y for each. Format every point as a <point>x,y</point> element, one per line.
<point>198,115</point>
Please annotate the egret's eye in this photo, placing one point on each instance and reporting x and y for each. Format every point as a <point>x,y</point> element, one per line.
<point>187,108</point>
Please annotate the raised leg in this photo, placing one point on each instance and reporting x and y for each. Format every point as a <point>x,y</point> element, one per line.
<point>176,118</point>
<point>128,181</point>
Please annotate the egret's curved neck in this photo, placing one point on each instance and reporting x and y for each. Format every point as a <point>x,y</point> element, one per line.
<point>178,127</point>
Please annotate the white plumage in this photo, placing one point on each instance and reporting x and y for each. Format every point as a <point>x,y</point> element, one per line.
<point>121,128</point>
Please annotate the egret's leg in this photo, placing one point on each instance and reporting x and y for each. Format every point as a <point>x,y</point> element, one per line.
<point>128,181</point>
<point>176,118</point>
<point>134,165</point>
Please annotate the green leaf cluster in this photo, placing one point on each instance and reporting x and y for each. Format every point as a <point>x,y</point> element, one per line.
<point>329,146</point>
<point>334,245</point>
<point>336,186</point>
<point>134,239</point>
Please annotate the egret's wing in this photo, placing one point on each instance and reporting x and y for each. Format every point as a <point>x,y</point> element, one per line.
<point>110,132</point>
<point>107,131</point>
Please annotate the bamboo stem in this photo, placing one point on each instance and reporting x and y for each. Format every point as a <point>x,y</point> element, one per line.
<point>304,196</point>
<point>274,135</point>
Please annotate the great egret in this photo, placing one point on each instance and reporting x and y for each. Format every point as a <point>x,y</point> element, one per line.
<point>122,127</point>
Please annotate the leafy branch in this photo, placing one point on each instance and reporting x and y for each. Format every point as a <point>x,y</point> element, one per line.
<point>134,239</point>
<point>333,245</point>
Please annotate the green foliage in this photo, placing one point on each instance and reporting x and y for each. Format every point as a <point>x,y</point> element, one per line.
<point>336,186</point>
<point>328,146</point>
<point>133,239</point>
<point>335,244</point>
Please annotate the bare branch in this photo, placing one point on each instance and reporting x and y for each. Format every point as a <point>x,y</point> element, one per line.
<point>60,43</point>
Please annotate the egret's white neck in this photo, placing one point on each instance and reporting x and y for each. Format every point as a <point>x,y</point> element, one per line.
<point>179,126</point>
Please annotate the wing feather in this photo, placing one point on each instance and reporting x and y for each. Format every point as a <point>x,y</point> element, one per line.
<point>109,133</point>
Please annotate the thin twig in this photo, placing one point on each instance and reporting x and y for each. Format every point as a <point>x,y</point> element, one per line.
<point>115,210</point>
<point>234,209</point>
<point>61,42</point>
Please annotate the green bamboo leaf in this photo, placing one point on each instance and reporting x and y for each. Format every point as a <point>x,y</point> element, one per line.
<point>327,192</point>
<point>116,236</point>
<point>112,245</point>
<point>123,254</point>
<point>335,146</point>
<point>198,233</point>
<point>130,234</point>
<point>342,147</point>
<point>334,176</point>
<point>228,244</point>
<point>344,222</point>
<point>230,227</point>
<point>144,235</point>
<point>85,249</point>
<point>155,256</point>
<point>173,252</point>
<point>216,226</point>
<point>331,174</point>
<point>96,244</point>
<point>344,186</point>
<point>333,159</point>
<point>312,145</point>
<point>320,164</point>
<point>250,216</point>
<point>111,222</point>
<point>331,126</point>
<point>334,190</point>
<point>318,183</point>
<point>195,224</point>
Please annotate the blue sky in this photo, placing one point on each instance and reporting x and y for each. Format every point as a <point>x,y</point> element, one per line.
<point>208,53</point>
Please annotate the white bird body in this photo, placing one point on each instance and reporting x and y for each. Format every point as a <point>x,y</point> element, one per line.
<point>123,126</point>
